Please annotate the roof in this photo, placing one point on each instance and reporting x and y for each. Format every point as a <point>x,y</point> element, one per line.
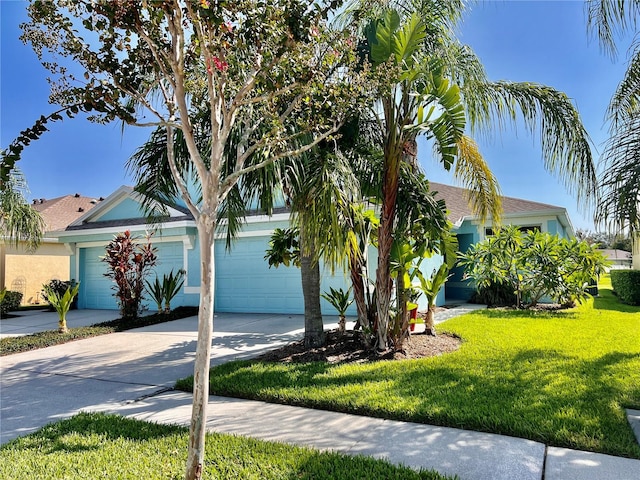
<point>458,206</point>
<point>59,212</point>
<point>616,254</point>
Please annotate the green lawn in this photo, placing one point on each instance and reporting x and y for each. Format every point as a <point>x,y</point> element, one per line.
<point>96,446</point>
<point>561,378</point>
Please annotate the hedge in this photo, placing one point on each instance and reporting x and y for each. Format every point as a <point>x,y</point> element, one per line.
<point>626,284</point>
<point>10,302</point>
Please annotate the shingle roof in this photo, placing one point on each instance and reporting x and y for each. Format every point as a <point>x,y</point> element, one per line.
<point>59,212</point>
<point>458,207</point>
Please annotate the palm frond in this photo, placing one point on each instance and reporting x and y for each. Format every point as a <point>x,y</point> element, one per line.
<point>625,102</point>
<point>608,18</point>
<point>566,149</point>
<point>481,186</point>
<point>619,203</point>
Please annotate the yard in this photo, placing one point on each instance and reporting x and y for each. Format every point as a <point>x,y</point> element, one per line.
<point>105,446</point>
<point>562,378</point>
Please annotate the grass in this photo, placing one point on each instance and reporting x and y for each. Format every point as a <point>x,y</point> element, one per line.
<point>10,345</point>
<point>561,378</point>
<point>106,446</point>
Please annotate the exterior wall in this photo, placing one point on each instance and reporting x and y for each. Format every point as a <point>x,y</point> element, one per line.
<point>128,208</point>
<point>636,253</point>
<point>27,272</point>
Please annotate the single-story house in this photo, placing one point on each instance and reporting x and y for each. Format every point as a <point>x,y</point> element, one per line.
<point>243,280</point>
<point>24,271</point>
<point>617,258</point>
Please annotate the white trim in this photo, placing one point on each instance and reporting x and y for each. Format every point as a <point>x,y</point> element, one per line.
<point>249,234</point>
<point>174,238</point>
<point>134,228</point>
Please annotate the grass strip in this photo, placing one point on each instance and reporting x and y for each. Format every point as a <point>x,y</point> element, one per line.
<point>92,445</point>
<point>10,345</point>
<point>561,378</point>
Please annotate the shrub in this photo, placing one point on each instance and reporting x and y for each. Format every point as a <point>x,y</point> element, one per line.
<point>59,287</point>
<point>626,284</point>
<point>494,295</point>
<point>10,302</point>
<point>128,264</point>
<point>534,265</point>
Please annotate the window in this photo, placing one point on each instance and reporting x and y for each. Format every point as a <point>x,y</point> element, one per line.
<point>524,228</point>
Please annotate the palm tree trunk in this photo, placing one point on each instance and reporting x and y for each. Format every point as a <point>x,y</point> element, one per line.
<point>197,431</point>
<point>385,243</point>
<point>310,271</point>
<point>358,286</point>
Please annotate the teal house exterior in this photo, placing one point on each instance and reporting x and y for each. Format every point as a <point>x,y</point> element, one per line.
<point>244,283</point>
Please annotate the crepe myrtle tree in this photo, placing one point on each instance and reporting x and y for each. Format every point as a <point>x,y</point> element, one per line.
<point>272,67</point>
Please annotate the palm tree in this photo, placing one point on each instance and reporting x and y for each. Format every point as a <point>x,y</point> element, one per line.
<point>435,85</point>
<point>19,222</point>
<point>619,204</point>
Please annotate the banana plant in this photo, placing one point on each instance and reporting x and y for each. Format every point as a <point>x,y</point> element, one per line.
<point>61,303</point>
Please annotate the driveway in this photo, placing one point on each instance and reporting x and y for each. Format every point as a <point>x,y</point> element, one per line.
<point>50,384</point>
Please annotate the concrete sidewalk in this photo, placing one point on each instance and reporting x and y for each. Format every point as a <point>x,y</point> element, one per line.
<point>470,455</point>
<point>131,373</point>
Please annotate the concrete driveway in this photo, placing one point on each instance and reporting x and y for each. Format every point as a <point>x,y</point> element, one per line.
<point>50,384</point>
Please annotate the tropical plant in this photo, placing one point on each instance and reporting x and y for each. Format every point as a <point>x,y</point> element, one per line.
<point>61,303</point>
<point>128,263</point>
<point>533,265</point>
<point>18,220</point>
<point>58,286</point>
<point>171,285</point>
<point>430,287</point>
<point>156,291</point>
<point>284,248</point>
<point>436,84</point>
<point>340,300</point>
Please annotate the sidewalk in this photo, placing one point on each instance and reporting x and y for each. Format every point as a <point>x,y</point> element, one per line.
<point>450,451</point>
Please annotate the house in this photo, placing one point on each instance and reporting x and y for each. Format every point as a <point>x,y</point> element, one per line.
<point>636,253</point>
<point>617,258</point>
<point>470,229</point>
<point>243,280</point>
<point>24,271</point>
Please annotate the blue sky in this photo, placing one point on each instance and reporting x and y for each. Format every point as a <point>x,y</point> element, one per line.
<point>537,41</point>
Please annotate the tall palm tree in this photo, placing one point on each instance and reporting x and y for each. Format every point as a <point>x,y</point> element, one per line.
<point>19,222</point>
<point>435,87</point>
<point>619,205</point>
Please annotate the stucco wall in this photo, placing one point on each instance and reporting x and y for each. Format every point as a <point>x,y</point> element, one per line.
<point>27,272</point>
<point>636,253</point>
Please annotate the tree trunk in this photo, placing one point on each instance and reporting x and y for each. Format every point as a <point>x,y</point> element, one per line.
<point>62,325</point>
<point>310,271</point>
<point>385,243</point>
<point>358,285</point>
<point>429,323</point>
<point>197,431</point>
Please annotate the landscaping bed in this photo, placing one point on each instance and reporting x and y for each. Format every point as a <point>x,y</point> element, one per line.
<point>10,345</point>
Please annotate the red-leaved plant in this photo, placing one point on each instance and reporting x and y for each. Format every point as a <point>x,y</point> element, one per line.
<point>128,264</point>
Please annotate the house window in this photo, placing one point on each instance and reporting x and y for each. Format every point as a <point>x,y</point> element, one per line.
<point>524,228</point>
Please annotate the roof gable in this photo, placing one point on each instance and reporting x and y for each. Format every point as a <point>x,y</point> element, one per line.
<point>122,208</point>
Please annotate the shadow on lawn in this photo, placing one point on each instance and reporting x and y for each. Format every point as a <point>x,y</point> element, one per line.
<point>608,301</point>
<point>63,436</point>
<point>539,394</point>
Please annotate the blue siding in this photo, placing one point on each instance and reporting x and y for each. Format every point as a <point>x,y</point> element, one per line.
<point>128,208</point>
